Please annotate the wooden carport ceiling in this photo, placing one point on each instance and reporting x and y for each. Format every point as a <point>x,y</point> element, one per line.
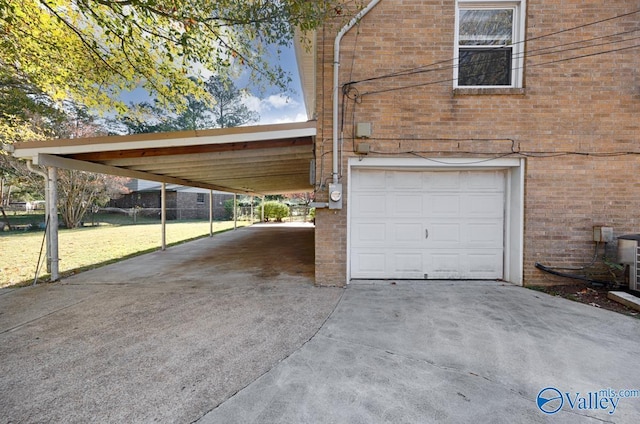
<point>256,160</point>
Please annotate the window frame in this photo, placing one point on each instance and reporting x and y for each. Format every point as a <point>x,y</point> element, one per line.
<point>200,196</point>
<point>517,42</point>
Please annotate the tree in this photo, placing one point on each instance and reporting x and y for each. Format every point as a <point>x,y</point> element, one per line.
<point>93,50</point>
<point>223,111</point>
<point>26,114</point>
<point>78,191</point>
<point>228,109</point>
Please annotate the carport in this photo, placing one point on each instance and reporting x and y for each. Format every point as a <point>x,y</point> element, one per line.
<point>255,160</point>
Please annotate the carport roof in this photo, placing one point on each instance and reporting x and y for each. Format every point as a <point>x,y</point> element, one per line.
<point>262,159</point>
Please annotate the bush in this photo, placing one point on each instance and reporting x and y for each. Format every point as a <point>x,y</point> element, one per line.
<point>228,209</point>
<point>275,210</point>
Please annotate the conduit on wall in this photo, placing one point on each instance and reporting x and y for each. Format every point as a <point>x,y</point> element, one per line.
<point>336,84</point>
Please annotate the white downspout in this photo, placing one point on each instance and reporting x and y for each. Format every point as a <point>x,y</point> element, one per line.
<point>336,83</point>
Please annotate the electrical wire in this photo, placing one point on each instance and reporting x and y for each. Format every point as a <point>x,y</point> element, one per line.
<point>513,69</point>
<point>39,264</point>
<point>423,68</point>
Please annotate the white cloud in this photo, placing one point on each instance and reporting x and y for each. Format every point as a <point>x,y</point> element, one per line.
<point>276,109</point>
<point>280,101</point>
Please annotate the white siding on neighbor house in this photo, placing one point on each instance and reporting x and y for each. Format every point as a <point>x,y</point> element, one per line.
<point>418,224</point>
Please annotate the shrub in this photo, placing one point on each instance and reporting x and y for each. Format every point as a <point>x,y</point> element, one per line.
<point>275,210</point>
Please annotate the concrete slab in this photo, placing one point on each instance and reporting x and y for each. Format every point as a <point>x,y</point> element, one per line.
<point>625,298</point>
<point>165,337</point>
<point>453,352</point>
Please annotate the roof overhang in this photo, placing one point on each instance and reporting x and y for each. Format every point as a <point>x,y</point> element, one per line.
<point>264,159</point>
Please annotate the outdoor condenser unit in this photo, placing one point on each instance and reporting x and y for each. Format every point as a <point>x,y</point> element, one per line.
<point>629,254</point>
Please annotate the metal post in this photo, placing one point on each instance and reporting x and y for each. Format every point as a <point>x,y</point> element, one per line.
<point>163,215</point>
<point>210,213</point>
<point>52,243</point>
<point>262,212</point>
<point>251,209</point>
<point>235,211</point>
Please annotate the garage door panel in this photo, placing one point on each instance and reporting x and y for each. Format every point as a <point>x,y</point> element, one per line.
<point>442,181</point>
<point>370,205</point>
<point>406,205</point>
<point>484,234</point>
<point>406,265</point>
<point>484,264</point>
<point>487,180</point>
<point>443,264</point>
<point>370,180</point>
<point>411,181</point>
<point>433,224</point>
<point>485,205</point>
<point>443,235</point>
<point>441,204</point>
<point>370,264</point>
<point>367,233</point>
<point>403,233</point>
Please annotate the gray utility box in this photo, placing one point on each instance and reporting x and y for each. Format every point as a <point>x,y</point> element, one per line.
<point>629,254</point>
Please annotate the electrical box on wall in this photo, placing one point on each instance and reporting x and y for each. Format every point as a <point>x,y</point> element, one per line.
<point>602,234</point>
<point>335,196</point>
<point>363,129</point>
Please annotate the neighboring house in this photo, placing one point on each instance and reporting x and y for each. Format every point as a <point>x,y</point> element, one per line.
<point>182,202</point>
<point>475,138</point>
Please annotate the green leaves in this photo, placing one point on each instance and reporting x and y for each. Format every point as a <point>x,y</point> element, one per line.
<point>92,50</point>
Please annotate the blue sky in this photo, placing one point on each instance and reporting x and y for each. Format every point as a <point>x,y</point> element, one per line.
<point>276,107</point>
<point>273,106</point>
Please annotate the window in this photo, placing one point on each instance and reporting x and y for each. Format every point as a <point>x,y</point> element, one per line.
<point>489,44</point>
<point>200,198</point>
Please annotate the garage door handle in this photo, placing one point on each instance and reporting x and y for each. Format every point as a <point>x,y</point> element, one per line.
<point>426,233</point>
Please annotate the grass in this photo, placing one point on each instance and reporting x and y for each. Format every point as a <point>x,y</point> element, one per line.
<point>89,247</point>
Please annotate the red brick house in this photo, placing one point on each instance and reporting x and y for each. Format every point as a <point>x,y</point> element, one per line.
<point>459,139</point>
<point>182,202</point>
<point>472,139</point>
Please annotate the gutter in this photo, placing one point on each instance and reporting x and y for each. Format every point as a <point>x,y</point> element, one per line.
<point>336,67</point>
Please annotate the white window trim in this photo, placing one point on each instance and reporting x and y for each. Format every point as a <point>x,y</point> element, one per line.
<point>518,46</point>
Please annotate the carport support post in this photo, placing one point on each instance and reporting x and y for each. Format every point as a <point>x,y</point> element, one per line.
<point>235,211</point>
<point>163,215</point>
<point>210,213</point>
<point>252,209</point>
<point>262,210</point>
<point>52,230</point>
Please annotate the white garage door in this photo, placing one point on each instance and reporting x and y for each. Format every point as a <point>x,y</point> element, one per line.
<point>427,224</point>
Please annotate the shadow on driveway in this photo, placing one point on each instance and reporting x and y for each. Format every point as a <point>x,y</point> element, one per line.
<point>163,337</point>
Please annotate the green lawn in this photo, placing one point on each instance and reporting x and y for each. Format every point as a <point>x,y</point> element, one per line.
<point>90,246</point>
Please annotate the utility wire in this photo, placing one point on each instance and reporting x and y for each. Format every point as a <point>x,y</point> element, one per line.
<point>520,67</point>
<point>424,67</point>
<point>519,55</point>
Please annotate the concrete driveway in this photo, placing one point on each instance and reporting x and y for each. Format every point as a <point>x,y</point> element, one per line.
<point>164,337</point>
<point>201,334</point>
<point>452,352</point>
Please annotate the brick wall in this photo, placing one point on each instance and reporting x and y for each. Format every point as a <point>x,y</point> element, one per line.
<point>568,121</point>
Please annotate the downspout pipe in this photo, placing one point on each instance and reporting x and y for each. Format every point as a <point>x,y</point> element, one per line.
<point>336,83</point>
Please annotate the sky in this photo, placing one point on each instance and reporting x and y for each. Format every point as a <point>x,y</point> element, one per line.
<point>273,106</point>
<point>277,107</point>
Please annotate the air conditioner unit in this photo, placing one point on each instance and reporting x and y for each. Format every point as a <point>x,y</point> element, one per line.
<point>629,254</point>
